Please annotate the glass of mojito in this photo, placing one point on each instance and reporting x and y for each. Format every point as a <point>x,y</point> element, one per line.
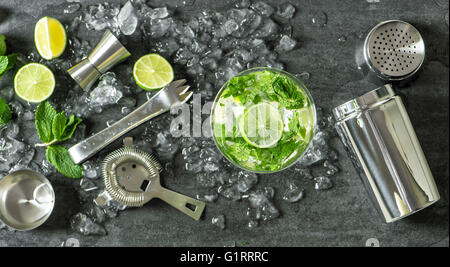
<point>263,120</point>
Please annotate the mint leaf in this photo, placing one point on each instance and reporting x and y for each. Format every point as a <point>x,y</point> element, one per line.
<point>59,157</point>
<point>7,63</point>
<point>44,116</point>
<point>3,64</point>
<point>287,93</point>
<point>239,151</point>
<point>2,45</point>
<point>12,58</point>
<point>70,127</point>
<point>58,126</point>
<point>5,112</point>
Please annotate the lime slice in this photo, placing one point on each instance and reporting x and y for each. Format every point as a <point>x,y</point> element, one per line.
<point>34,83</point>
<point>50,38</point>
<point>152,72</point>
<point>306,120</point>
<point>262,125</point>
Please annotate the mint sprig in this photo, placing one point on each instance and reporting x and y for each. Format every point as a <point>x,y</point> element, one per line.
<point>54,127</point>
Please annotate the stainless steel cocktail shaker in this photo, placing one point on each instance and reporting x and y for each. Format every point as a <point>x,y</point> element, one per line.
<point>378,136</point>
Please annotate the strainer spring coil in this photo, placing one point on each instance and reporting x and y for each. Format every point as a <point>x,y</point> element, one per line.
<point>112,186</point>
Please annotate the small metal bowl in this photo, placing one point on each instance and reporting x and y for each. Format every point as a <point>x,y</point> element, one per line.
<point>26,200</point>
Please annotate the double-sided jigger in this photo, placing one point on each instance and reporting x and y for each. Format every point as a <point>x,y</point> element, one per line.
<point>375,127</point>
<point>26,199</point>
<point>106,54</point>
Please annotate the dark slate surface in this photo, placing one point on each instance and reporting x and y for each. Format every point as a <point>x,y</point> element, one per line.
<point>342,216</point>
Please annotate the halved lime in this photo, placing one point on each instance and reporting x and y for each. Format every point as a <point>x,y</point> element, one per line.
<point>50,38</point>
<point>152,72</point>
<point>34,82</point>
<point>262,125</point>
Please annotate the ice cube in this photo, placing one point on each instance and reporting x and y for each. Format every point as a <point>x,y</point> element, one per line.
<point>262,8</point>
<point>229,192</point>
<point>243,3</point>
<point>211,167</point>
<point>188,2</point>
<point>219,221</point>
<point>85,225</point>
<point>293,193</point>
<point>285,11</point>
<point>72,8</point>
<point>7,93</point>
<point>11,130</point>
<point>319,18</point>
<point>322,183</point>
<point>127,19</point>
<point>230,26</point>
<point>107,92</point>
<point>11,152</point>
<point>286,44</point>
<point>90,170</point>
<point>25,160</point>
<point>330,169</point>
<point>303,76</point>
<point>158,13</point>
<point>246,181</point>
<point>195,167</point>
<point>209,197</point>
<point>87,185</point>
<point>263,207</point>
<point>267,30</point>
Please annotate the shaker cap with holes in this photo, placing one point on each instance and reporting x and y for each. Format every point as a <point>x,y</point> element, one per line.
<point>392,51</point>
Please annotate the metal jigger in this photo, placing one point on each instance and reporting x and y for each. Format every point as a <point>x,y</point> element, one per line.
<point>108,52</point>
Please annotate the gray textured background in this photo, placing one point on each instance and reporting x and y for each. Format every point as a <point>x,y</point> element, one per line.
<point>342,216</point>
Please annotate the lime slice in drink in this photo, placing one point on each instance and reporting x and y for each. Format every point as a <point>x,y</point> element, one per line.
<point>262,125</point>
<point>152,72</point>
<point>34,83</point>
<point>306,120</point>
<point>50,38</point>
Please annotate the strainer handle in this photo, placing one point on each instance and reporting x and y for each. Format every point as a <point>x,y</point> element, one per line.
<point>189,206</point>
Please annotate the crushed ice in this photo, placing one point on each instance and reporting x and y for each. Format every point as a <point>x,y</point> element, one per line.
<point>209,48</point>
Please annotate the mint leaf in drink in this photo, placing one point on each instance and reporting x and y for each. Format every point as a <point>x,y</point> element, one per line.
<point>45,113</point>
<point>5,112</point>
<point>59,157</point>
<point>240,151</point>
<point>288,93</point>
<point>2,45</point>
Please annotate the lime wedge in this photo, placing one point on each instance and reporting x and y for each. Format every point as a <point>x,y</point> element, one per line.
<point>262,125</point>
<point>50,38</point>
<point>152,72</point>
<point>34,83</point>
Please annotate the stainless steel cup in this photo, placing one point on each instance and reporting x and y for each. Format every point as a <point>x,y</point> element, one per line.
<point>26,199</point>
<point>106,54</point>
<point>380,140</point>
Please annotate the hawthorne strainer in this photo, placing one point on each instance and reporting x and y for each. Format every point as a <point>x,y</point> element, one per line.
<point>392,51</point>
<point>131,177</point>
